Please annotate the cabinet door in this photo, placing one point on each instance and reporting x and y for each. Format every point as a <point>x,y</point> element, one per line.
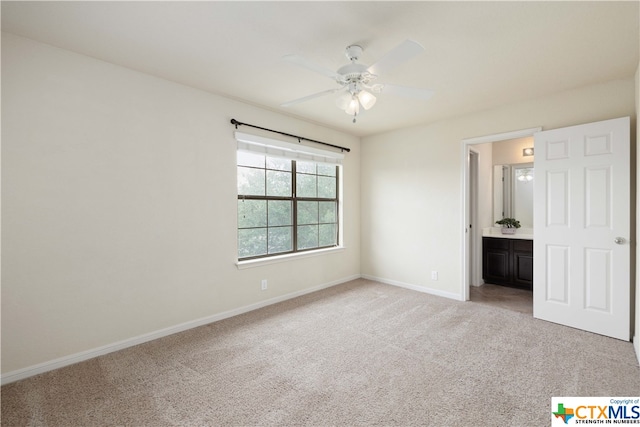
<point>497,268</point>
<point>523,263</point>
<point>523,270</point>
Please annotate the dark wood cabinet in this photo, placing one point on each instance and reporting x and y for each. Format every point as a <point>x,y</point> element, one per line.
<point>507,262</point>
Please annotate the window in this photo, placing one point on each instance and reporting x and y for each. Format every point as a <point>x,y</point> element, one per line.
<point>285,205</point>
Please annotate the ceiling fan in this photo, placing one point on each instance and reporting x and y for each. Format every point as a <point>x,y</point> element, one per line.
<point>357,81</point>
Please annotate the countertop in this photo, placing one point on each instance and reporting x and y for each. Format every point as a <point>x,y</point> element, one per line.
<point>521,233</point>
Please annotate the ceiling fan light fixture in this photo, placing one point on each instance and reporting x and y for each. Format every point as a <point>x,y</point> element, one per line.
<point>342,102</point>
<point>354,106</point>
<point>366,99</point>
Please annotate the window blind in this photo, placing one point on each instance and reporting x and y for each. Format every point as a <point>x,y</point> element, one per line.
<point>276,148</point>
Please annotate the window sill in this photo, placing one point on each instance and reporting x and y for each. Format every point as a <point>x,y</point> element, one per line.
<point>288,257</point>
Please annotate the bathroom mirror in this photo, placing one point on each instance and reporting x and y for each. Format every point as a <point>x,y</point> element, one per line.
<point>513,193</point>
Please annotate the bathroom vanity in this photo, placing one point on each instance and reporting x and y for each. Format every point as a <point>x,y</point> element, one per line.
<point>507,259</point>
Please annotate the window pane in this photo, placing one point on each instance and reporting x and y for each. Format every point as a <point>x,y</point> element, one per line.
<point>280,213</point>
<point>252,213</point>
<point>252,242</point>
<point>250,181</point>
<point>329,170</point>
<point>307,236</point>
<point>327,211</point>
<point>305,167</point>
<point>328,235</point>
<point>278,164</point>
<point>305,185</point>
<point>250,159</point>
<point>327,187</point>
<point>307,212</point>
<point>279,184</point>
<point>280,239</point>
<point>272,208</point>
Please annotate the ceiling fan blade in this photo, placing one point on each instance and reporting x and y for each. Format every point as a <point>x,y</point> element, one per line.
<point>304,62</point>
<point>407,92</point>
<point>310,97</point>
<point>396,56</point>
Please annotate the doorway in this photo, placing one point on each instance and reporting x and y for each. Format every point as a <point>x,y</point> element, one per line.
<point>512,299</point>
<point>472,237</point>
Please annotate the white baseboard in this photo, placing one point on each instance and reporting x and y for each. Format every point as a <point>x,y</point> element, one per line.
<point>426,290</point>
<point>636,346</point>
<point>120,345</point>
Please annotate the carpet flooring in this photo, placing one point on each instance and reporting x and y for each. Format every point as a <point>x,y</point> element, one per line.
<point>357,354</point>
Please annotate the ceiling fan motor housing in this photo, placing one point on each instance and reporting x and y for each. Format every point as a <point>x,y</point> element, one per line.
<point>355,73</point>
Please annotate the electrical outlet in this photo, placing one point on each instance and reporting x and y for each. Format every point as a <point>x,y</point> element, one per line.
<point>264,284</point>
<point>434,275</point>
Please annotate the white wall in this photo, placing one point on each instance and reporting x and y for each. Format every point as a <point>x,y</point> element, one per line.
<point>119,206</point>
<point>411,182</point>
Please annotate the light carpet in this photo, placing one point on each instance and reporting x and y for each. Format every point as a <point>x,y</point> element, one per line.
<point>357,354</point>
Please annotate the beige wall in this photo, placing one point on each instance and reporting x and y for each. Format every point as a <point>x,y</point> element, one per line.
<point>119,206</point>
<point>118,201</point>
<point>509,152</point>
<point>411,182</point>
<point>485,187</point>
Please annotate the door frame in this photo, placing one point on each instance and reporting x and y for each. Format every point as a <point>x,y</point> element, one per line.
<point>466,145</point>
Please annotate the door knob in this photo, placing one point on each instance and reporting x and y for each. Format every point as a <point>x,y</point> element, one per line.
<point>619,240</point>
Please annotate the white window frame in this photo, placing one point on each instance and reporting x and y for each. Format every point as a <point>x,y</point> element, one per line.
<point>282,149</point>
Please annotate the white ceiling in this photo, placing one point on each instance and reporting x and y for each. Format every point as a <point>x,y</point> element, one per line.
<point>478,55</point>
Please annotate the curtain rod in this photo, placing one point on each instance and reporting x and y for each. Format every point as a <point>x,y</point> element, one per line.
<point>299,138</point>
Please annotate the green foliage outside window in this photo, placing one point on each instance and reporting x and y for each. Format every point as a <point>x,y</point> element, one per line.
<point>275,219</point>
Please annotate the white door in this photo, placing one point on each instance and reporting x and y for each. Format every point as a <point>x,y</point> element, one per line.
<point>582,227</point>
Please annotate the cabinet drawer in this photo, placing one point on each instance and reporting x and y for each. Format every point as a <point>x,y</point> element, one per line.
<point>496,243</point>
<point>523,245</point>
